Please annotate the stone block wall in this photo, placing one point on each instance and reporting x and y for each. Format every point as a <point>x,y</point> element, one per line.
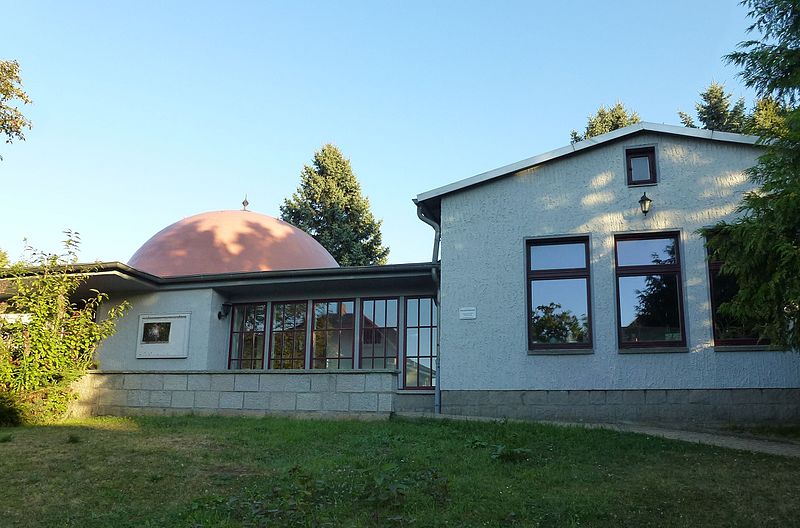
<point>674,406</point>
<point>245,393</point>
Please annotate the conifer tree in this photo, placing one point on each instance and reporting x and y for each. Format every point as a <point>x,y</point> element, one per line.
<point>329,206</point>
<point>714,111</point>
<point>761,249</point>
<point>606,120</point>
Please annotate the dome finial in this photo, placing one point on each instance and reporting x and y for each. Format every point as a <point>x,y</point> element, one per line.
<point>245,203</point>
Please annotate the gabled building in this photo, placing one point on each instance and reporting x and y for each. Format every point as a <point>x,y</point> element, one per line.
<point>571,285</point>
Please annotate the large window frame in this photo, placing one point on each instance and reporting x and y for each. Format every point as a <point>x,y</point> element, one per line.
<point>558,274</point>
<point>283,332</point>
<point>433,333</point>
<point>378,334</point>
<point>239,336</point>
<point>339,330</point>
<point>673,269</point>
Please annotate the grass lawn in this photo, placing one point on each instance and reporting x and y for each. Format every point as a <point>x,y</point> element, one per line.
<point>237,472</point>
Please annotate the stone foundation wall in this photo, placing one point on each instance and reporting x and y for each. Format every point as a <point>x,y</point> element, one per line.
<point>245,393</point>
<point>414,402</point>
<point>711,406</point>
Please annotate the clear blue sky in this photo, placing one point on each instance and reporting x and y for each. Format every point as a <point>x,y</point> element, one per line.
<point>148,112</point>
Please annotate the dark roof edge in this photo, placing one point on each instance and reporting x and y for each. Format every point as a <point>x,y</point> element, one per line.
<point>505,170</point>
<point>318,273</point>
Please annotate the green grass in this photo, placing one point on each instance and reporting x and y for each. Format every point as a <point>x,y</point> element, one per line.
<point>239,472</point>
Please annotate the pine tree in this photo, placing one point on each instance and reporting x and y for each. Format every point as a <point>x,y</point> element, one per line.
<point>329,206</point>
<point>715,113</point>
<point>761,249</point>
<point>606,120</point>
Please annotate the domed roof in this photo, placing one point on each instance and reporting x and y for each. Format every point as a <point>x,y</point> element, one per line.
<point>228,242</point>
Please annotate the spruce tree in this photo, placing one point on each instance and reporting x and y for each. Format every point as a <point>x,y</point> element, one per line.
<point>606,120</point>
<point>329,206</point>
<point>761,249</point>
<point>714,111</point>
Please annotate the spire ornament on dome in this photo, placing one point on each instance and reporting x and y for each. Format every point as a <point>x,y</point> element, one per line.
<point>245,203</point>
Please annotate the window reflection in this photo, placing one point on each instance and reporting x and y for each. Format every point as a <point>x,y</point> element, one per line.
<point>334,328</point>
<point>558,256</point>
<point>647,252</point>
<point>560,311</point>
<point>649,308</point>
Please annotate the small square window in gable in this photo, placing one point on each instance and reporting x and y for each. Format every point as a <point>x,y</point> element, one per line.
<point>640,165</point>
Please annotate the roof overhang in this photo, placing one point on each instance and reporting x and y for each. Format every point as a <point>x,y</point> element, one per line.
<point>432,199</point>
<point>118,279</point>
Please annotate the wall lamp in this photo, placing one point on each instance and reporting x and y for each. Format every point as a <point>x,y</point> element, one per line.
<point>223,313</point>
<point>644,204</point>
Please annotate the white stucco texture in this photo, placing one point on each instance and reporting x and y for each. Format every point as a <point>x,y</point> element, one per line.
<point>484,229</point>
<point>208,335</point>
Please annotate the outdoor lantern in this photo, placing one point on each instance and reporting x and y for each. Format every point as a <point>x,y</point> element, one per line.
<point>644,203</point>
<point>226,309</point>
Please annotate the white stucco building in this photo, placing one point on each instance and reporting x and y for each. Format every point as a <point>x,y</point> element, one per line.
<point>557,296</point>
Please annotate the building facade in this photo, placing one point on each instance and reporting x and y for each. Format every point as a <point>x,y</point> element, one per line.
<point>571,286</point>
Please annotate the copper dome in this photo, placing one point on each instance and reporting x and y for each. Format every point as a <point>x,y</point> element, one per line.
<point>229,242</point>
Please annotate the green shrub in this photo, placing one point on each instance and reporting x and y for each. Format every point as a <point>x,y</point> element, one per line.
<point>51,342</point>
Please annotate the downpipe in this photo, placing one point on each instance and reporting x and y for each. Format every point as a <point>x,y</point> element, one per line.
<point>421,213</point>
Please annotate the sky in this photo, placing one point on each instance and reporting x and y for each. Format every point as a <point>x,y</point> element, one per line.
<point>148,112</point>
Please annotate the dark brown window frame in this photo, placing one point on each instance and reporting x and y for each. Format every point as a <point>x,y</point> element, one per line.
<point>434,325</point>
<point>234,332</point>
<point>640,152</point>
<point>554,274</point>
<point>650,269</point>
<point>714,267</point>
<point>272,332</point>
<point>385,343</point>
<point>313,325</point>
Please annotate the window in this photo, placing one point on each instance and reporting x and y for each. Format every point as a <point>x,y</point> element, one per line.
<point>156,332</point>
<point>248,336</point>
<point>288,335</point>
<point>379,333</point>
<point>727,330</point>
<point>640,165</point>
<point>420,350</point>
<point>649,307</point>
<point>163,336</point>
<point>559,314</point>
<point>334,334</point>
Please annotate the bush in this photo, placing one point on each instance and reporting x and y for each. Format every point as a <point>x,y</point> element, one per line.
<point>51,340</point>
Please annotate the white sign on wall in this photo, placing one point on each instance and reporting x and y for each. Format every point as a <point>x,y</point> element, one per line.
<point>163,336</point>
<point>468,312</point>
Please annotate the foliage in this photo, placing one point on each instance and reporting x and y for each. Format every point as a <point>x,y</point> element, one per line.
<point>329,206</point>
<point>606,120</point>
<point>50,342</point>
<point>4,262</point>
<point>761,249</point>
<point>714,111</point>
<point>551,324</point>
<point>12,121</point>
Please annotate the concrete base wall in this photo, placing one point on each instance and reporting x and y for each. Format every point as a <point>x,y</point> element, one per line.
<point>243,393</point>
<point>413,402</point>
<point>707,406</point>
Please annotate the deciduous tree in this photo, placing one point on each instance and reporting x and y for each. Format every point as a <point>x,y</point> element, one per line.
<point>329,206</point>
<point>12,121</point>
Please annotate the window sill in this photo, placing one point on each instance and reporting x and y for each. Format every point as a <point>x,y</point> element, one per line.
<point>746,348</point>
<point>416,391</point>
<point>654,350</point>
<point>560,351</point>
<point>644,184</point>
